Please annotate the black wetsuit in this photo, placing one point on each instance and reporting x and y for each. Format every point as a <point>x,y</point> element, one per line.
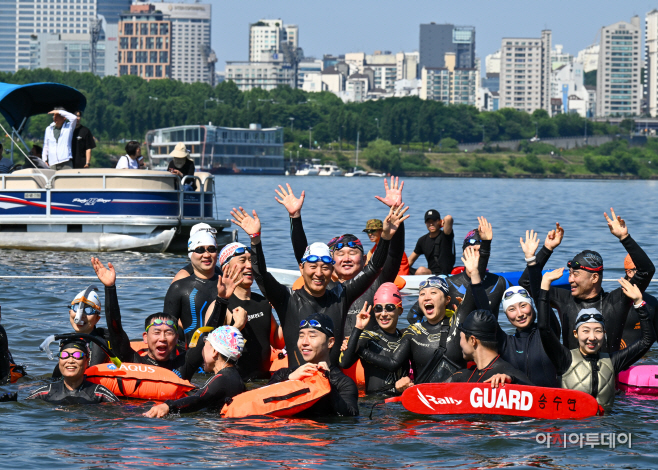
<point>294,306</point>
<point>425,345</point>
<point>5,357</point>
<point>255,360</point>
<point>632,330</point>
<point>614,305</point>
<point>496,366</point>
<point>189,269</point>
<point>439,252</point>
<point>493,284</point>
<point>223,385</point>
<point>87,394</point>
<point>388,274</point>
<point>96,353</point>
<point>182,363</point>
<point>524,349</point>
<point>378,342</point>
<point>341,401</point>
<point>561,356</point>
<point>188,299</point>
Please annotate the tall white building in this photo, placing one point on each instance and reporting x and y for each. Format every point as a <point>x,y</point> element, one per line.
<point>266,74</point>
<point>589,57</point>
<point>268,36</point>
<point>618,85</point>
<point>492,63</point>
<point>567,85</point>
<point>560,58</point>
<point>387,67</point>
<point>525,73</point>
<point>192,58</point>
<point>651,64</point>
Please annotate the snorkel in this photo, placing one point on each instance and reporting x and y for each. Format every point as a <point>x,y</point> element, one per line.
<point>45,346</point>
<point>78,315</point>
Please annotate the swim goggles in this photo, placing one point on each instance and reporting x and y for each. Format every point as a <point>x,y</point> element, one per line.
<point>79,355</point>
<point>199,250</point>
<point>316,258</point>
<point>158,321</point>
<point>521,292</point>
<point>434,281</point>
<point>379,308</point>
<point>586,316</point>
<point>86,309</point>
<point>576,265</point>
<point>238,251</point>
<point>353,244</point>
<point>313,324</point>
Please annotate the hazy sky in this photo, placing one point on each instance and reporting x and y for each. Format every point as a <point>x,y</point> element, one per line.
<point>340,26</point>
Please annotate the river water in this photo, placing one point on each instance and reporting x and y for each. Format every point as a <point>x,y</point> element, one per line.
<point>39,435</point>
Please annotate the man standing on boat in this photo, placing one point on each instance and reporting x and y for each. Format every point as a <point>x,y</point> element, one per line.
<point>57,140</point>
<point>83,142</point>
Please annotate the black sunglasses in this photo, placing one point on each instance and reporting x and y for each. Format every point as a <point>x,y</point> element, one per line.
<point>379,308</point>
<point>199,250</point>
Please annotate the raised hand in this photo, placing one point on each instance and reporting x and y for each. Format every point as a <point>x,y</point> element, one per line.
<point>631,290</point>
<point>107,276</point>
<point>393,220</point>
<point>484,229</point>
<point>617,225</point>
<point>551,276</point>
<point>239,317</point>
<point>530,244</point>
<point>292,204</point>
<point>471,258</point>
<point>393,194</point>
<point>230,279</point>
<point>363,317</point>
<point>249,224</point>
<point>554,237</point>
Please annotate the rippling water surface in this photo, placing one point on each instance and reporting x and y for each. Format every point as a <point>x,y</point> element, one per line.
<point>38,435</point>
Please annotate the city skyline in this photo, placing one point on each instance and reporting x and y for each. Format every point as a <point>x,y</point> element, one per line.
<point>377,25</point>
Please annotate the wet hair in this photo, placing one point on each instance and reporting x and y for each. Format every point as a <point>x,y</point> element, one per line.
<point>131,147</point>
<point>161,316</point>
<point>493,345</point>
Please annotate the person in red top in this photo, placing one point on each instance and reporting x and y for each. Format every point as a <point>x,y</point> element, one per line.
<point>374,229</point>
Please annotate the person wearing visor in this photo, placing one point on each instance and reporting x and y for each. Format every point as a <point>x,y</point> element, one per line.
<point>431,346</point>
<point>161,331</point>
<point>84,315</point>
<point>73,389</point>
<point>478,339</point>
<point>261,331</point>
<point>585,279</point>
<point>588,367</point>
<point>632,329</point>
<point>315,340</point>
<point>374,231</point>
<point>188,269</point>
<point>222,348</point>
<point>316,267</point>
<point>347,251</point>
<point>188,299</point>
<point>523,350</point>
<point>383,339</point>
<point>438,246</point>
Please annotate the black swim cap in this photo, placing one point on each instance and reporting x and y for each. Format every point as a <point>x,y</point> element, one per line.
<point>588,260</point>
<point>472,238</point>
<point>481,324</point>
<point>320,322</point>
<point>74,343</point>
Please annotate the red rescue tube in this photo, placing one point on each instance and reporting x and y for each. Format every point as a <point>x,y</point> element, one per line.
<point>278,360</point>
<point>356,373</point>
<point>282,399</point>
<point>142,381</point>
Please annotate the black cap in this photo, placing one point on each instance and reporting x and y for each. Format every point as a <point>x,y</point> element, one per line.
<point>588,260</point>
<point>432,214</point>
<point>320,322</point>
<point>482,324</point>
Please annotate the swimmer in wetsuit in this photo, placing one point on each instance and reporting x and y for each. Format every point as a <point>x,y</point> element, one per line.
<point>73,389</point>
<point>383,339</point>
<point>161,330</point>
<point>585,279</point>
<point>222,349</point>
<point>188,299</point>
<point>316,268</point>
<point>261,331</point>
<point>315,340</point>
<point>633,330</point>
<point>9,371</point>
<point>188,270</point>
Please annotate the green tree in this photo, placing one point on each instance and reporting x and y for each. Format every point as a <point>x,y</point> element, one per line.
<point>383,156</point>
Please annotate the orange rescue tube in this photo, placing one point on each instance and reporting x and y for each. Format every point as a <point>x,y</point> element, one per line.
<point>278,360</point>
<point>282,399</point>
<point>142,381</point>
<point>139,347</point>
<point>356,373</point>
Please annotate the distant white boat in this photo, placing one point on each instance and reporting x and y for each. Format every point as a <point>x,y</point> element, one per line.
<point>357,173</point>
<point>377,175</point>
<point>330,170</point>
<point>308,170</point>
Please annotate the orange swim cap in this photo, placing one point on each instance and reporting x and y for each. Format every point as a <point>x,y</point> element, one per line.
<point>628,263</point>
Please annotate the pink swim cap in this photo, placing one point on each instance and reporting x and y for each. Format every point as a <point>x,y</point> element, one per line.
<point>388,293</point>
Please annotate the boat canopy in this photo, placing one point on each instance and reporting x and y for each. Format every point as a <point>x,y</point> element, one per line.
<point>19,102</point>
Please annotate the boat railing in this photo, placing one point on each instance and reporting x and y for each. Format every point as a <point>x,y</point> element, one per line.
<point>40,175</point>
<point>202,190</point>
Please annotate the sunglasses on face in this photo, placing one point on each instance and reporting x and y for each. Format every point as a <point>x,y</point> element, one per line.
<point>312,324</point>
<point>158,321</point>
<point>371,231</point>
<point>576,265</point>
<point>315,259</point>
<point>521,292</point>
<point>199,250</point>
<point>596,316</point>
<point>341,245</point>
<point>86,309</point>
<point>78,355</point>
<point>379,308</point>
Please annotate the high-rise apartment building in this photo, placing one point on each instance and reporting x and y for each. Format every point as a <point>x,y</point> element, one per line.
<point>266,74</point>
<point>387,67</point>
<point>145,43</point>
<point>112,9</point>
<point>651,64</point>
<point>267,37</point>
<point>450,84</point>
<point>436,40</point>
<point>525,73</point>
<point>618,81</point>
